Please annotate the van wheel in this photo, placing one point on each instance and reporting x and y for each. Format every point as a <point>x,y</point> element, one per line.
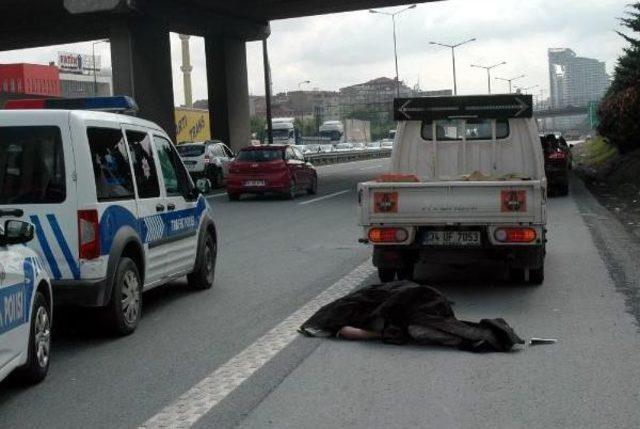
<point>406,273</point>
<point>122,315</point>
<point>37,366</point>
<point>204,275</point>
<point>536,275</point>
<point>386,275</point>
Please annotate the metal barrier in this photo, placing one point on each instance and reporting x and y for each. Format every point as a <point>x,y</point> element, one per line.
<point>350,156</point>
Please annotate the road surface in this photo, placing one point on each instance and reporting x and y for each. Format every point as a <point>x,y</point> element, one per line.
<point>225,358</point>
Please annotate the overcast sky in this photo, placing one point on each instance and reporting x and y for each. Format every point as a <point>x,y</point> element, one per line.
<point>334,51</point>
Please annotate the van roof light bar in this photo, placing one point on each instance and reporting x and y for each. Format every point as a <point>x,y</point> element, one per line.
<point>504,106</point>
<point>117,104</point>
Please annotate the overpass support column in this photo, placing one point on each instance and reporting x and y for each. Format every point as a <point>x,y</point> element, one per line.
<point>228,90</point>
<point>141,58</point>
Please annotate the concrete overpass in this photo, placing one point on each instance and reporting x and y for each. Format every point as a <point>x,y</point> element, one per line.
<point>561,111</point>
<point>140,48</point>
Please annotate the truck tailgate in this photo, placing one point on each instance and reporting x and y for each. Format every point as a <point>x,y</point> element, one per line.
<point>463,202</point>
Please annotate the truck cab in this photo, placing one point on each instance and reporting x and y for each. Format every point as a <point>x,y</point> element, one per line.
<point>333,130</point>
<point>285,131</point>
<point>467,182</point>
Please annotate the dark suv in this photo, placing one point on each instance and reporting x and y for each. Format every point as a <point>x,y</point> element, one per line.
<point>557,163</point>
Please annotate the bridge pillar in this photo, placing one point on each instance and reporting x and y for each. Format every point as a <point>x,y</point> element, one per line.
<point>141,61</point>
<point>228,90</point>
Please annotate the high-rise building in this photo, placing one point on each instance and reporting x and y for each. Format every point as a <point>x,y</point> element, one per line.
<point>574,80</point>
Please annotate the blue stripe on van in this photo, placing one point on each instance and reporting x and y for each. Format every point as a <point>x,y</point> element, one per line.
<point>73,266</point>
<point>48,254</point>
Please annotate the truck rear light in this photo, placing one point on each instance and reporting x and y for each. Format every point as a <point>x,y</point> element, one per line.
<point>388,235</point>
<point>88,234</point>
<point>515,235</point>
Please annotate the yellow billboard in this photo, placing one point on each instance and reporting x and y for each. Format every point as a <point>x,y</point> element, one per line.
<point>192,125</point>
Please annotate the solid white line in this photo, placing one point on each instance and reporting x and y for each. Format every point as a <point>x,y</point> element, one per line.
<point>371,167</point>
<point>204,396</point>
<point>335,194</point>
<point>224,194</point>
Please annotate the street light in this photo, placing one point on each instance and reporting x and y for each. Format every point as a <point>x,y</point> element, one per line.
<point>395,43</point>
<point>304,82</point>
<point>488,69</point>
<point>523,90</point>
<point>453,57</point>
<point>95,76</point>
<point>510,80</point>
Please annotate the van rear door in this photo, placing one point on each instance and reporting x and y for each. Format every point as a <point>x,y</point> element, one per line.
<point>37,176</point>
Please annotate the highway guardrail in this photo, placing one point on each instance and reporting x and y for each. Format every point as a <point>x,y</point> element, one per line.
<point>337,157</point>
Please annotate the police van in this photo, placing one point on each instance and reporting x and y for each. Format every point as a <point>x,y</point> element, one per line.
<point>114,209</point>
<point>25,304</point>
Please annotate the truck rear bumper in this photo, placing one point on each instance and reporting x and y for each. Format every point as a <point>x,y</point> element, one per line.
<point>398,257</point>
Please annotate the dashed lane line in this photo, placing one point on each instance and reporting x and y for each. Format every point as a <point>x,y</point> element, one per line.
<point>204,396</point>
<point>315,200</point>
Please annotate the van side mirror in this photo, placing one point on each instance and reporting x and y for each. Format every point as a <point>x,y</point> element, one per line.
<point>16,232</point>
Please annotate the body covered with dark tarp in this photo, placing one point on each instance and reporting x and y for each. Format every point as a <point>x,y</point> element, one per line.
<point>406,312</point>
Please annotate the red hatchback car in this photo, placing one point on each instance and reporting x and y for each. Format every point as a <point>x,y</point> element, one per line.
<point>270,169</point>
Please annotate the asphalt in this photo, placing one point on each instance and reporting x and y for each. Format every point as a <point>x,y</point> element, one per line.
<point>277,255</point>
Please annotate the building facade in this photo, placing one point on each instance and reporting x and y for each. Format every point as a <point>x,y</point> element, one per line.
<point>83,85</point>
<point>574,80</point>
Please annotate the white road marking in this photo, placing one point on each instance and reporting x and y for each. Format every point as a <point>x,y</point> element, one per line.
<point>335,194</point>
<point>224,194</point>
<point>204,396</point>
<point>371,167</point>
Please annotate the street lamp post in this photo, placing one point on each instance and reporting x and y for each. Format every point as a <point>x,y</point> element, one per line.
<point>395,43</point>
<point>95,76</point>
<point>510,80</point>
<point>488,69</point>
<point>453,58</point>
<point>523,90</point>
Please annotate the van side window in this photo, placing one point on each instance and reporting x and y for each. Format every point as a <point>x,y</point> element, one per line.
<point>176,178</point>
<point>31,165</point>
<point>144,167</point>
<point>110,164</point>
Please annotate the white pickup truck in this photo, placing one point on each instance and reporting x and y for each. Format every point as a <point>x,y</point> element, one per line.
<point>467,183</point>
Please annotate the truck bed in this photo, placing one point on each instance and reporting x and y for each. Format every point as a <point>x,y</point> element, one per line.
<point>451,203</point>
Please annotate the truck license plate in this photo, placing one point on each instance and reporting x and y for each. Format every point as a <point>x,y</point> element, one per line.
<point>452,238</point>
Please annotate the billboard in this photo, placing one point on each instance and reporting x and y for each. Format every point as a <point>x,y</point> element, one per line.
<point>192,125</point>
<point>71,62</point>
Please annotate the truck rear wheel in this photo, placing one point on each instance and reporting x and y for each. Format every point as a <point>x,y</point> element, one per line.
<point>386,275</point>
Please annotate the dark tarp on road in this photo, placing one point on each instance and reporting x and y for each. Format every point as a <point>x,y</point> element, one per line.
<point>405,312</point>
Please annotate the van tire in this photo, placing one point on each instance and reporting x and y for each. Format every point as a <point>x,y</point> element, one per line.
<point>386,275</point>
<point>36,368</point>
<point>127,285</point>
<point>536,275</point>
<point>204,275</point>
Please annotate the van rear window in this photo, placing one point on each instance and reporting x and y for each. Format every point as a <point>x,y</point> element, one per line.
<point>472,129</point>
<point>110,164</point>
<point>31,165</point>
<point>190,150</point>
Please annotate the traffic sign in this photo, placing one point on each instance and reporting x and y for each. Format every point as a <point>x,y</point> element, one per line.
<point>464,107</point>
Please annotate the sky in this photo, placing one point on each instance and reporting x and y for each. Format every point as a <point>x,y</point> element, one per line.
<point>334,51</point>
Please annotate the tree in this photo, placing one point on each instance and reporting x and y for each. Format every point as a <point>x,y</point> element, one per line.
<point>619,109</point>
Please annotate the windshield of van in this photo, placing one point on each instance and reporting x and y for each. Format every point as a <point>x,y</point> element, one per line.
<point>190,150</point>
<point>31,165</point>
<point>282,134</point>
<point>334,135</point>
<point>260,155</point>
